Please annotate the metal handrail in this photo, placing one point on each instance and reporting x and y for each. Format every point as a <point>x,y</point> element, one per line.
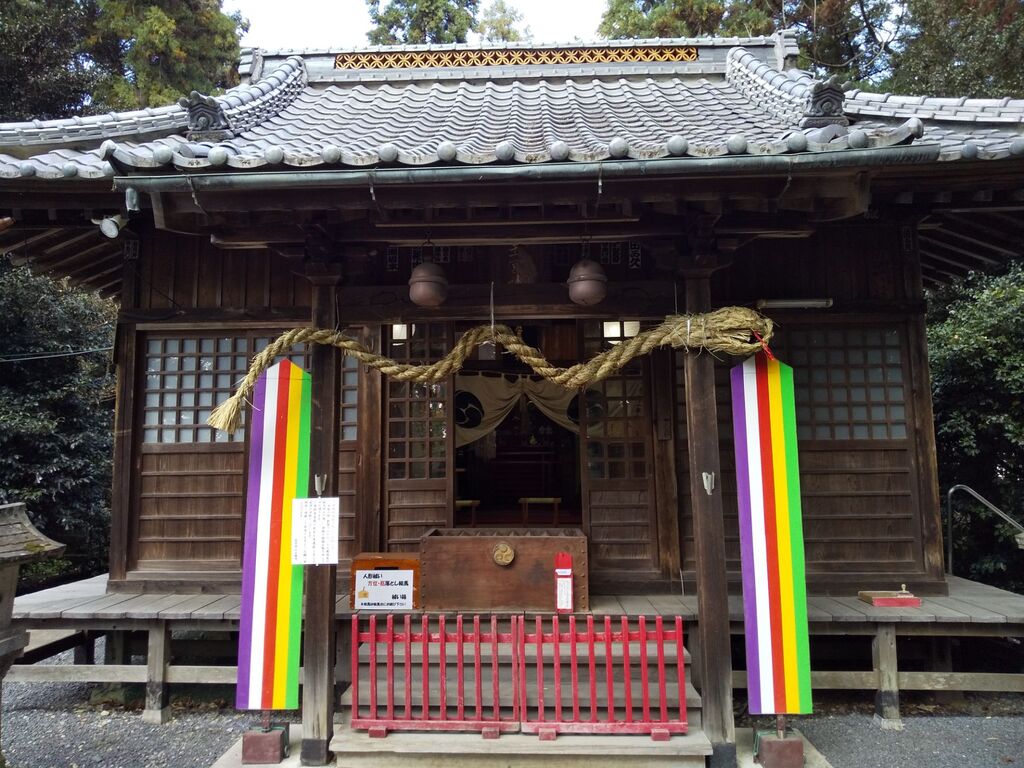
<point>1019,536</point>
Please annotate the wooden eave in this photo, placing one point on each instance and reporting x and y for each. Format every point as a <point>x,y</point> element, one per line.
<point>53,233</point>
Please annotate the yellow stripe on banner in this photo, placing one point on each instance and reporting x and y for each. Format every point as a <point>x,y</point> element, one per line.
<point>284,589</point>
<point>782,533</point>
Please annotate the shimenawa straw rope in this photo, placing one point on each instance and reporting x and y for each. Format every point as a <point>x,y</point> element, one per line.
<point>727,330</point>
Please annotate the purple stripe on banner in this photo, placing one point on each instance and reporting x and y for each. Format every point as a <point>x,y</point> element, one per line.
<point>249,553</point>
<point>739,423</point>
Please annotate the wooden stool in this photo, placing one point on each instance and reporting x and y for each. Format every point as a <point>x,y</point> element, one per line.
<point>471,505</point>
<point>552,501</point>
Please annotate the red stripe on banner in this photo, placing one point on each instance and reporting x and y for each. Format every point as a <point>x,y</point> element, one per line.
<point>276,512</point>
<point>771,534</point>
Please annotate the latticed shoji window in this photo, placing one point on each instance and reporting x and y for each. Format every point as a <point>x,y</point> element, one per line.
<point>615,408</point>
<point>349,397</point>
<point>417,419</point>
<point>187,376</point>
<point>849,383</point>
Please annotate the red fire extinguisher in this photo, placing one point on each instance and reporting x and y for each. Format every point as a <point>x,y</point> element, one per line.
<point>563,582</point>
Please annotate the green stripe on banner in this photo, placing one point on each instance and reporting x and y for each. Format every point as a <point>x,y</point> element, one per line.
<point>796,536</point>
<point>301,492</point>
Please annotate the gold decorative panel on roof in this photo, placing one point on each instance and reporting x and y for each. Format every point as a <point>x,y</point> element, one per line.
<point>512,57</point>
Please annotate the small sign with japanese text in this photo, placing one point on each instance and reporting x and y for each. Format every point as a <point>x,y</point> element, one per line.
<point>315,531</point>
<point>384,590</point>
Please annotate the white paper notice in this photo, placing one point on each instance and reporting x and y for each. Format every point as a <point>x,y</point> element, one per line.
<point>315,531</point>
<point>384,590</point>
<point>563,594</point>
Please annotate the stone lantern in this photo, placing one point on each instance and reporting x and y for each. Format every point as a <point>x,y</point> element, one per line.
<point>20,542</point>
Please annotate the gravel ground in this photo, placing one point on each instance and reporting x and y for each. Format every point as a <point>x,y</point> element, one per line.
<point>932,741</point>
<point>960,731</point>
<point>74,725</point>
<point>69,725</point>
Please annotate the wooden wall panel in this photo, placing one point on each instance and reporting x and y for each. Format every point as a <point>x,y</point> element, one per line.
<point>856,262</point>
<point>413,511</point>
<point>621,533</point>
<point>348,460</point>
<point>190,507</point>
<point>182,272</point>
<point>860,507</point>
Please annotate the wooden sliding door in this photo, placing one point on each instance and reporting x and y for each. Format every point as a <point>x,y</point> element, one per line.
<point>418,440</point>
<point>615,424</point>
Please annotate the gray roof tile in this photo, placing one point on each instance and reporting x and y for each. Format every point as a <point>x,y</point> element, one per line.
<point>304,117</point>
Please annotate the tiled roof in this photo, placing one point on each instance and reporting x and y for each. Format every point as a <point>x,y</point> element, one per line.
<point>967,129</point>
<point>523,122</point>
<point>985,129</point>
<point>306,112</point>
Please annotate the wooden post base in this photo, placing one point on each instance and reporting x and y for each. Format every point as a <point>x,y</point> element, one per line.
<point>315,752</point>
<point>773,752</point>
<point>157,658</point>
<point>884,661</point>
<point>723,755</point>
<point>156,716</point>
<point>268,747</point>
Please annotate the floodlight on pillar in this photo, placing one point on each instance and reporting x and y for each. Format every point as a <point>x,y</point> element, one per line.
<point>111,226</point>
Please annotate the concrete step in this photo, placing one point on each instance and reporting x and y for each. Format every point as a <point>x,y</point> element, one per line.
<point>355,749</point>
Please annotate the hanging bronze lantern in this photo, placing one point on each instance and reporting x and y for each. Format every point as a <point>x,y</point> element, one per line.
<point>588,284</point>
<point>428,287</point>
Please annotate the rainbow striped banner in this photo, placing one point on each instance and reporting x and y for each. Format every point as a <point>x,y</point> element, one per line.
<point>771,537</point>
<point>271,620</point>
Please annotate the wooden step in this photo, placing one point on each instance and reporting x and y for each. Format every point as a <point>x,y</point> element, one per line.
<point>693,700</point>
<point>356,749</point>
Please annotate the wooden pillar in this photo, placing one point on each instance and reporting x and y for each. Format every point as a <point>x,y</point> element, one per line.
<point>85,651</point>
<point>884,661</point>
<point>319,652</point>
<point>125,454</point>
<point>368,479</point>
<point>116,647</point>
<point>715,660</point>
<point>666,490</point>
<point>925,465</point>
<point>157,657</point>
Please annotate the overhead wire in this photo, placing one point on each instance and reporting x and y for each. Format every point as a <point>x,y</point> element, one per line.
<point>26,356</point>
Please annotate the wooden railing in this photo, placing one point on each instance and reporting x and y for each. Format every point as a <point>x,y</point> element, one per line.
<point>563,676</point>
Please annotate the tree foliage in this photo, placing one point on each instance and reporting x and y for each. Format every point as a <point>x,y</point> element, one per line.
<point>836,37</point>
<point>69,57</point>
<point>44,72</point>
<point>56,412</point>
<point>962,47</point>
<point>977,366</point>
<point>152,53</point>
<point>421,21</point>
<point>501,23</point>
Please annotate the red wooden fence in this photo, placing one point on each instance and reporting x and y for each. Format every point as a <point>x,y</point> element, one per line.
<point>618,708</point>
<point>566,676</point>
<point>418,649</point>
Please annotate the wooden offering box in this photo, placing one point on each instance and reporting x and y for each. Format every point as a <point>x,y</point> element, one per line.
<point>463,571</point>
<point>384,562</point>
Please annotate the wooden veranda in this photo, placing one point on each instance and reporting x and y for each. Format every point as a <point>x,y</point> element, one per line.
<point>75,614</point>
